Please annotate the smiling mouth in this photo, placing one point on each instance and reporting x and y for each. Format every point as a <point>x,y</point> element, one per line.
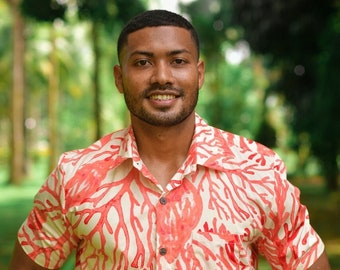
<point>162,97</point>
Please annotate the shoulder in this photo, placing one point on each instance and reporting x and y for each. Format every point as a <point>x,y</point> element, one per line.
<point>107,146</point>
<point>95,160</point>
<point>232,151</point>
<point>80,172</point>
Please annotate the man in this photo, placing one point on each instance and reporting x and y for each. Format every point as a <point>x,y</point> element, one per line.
<point>168,192</point>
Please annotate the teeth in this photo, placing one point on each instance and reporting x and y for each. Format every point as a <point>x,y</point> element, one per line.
<point>162,97</point>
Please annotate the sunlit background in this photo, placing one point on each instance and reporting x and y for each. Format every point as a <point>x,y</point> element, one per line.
<point>272,75</point>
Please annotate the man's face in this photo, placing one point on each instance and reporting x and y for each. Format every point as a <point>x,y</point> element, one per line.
<point>160,75</point>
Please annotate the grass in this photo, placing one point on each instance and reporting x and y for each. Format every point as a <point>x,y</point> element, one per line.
<point>324,208</point>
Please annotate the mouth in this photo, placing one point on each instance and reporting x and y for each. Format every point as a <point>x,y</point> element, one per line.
<point>162,97</point>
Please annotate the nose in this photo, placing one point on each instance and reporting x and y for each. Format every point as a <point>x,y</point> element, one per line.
<point>162,74</point>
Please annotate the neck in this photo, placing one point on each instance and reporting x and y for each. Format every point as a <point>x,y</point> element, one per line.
<point>163,149</point>
<point>155,141</point>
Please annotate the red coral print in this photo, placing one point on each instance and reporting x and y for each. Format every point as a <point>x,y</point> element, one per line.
<point>228,202</point>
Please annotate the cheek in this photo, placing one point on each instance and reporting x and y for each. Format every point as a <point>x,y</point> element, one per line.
<point>185,77</point>
<point>128,83</point>
<point>134,80</point>
<point>191,82</point>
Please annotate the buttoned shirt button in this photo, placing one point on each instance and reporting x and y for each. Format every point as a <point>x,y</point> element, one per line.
<point>163,200</point>
<point>162,251</point>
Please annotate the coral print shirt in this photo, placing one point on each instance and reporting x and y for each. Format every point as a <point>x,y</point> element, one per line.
<point>229,202</point>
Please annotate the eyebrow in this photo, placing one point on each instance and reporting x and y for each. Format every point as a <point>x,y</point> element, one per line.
<point>150,54</point>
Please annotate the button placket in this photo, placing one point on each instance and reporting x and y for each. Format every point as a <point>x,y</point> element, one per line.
<point>162,251</point>
<point>163,200</point>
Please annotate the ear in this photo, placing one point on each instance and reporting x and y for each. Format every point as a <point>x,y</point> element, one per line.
<point>117,73</point>
<point>201,73</point>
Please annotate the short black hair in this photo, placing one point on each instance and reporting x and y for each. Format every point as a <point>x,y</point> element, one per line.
<point>154,18</point>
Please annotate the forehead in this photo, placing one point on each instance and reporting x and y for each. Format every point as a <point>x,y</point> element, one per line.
<point>158,39</point>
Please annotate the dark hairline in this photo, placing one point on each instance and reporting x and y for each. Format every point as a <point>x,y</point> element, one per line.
<point>155,18</point>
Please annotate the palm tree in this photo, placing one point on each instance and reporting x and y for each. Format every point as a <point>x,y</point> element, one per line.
<point>18,92</point>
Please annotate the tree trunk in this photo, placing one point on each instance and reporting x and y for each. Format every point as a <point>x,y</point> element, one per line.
<point>53,100</point>
<point>96,79</point>
<point>17,102</point>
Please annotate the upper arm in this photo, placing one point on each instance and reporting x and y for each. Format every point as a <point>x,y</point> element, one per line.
<point>292,233</point>
<point>21,261</point>
<point>321,263</point>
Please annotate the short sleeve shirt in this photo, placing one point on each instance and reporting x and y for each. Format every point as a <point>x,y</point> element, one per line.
<point>228,203</point>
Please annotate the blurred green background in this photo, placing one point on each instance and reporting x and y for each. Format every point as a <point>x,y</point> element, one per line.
<point>272,75</point>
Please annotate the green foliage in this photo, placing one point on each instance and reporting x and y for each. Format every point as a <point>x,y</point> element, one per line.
<point>129,8</point>
<point>97,10</point>
<point>232,99</point>
<point>211,19</point>
<point>290,31</point>
<point>5,60</point>
<point>324,122</point>
<point>46,10</point>
<point>283,28</point>
<point>107,11</point>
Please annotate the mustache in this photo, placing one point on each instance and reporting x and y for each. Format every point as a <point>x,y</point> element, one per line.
<point>157,86</point>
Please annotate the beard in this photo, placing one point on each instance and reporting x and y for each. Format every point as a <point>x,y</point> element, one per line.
<point>163,117</point>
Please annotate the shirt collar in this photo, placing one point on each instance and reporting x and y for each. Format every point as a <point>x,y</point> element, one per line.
<point>211,147</point>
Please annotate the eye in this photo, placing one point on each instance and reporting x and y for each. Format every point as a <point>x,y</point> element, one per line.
<point>141,62</point>
<point>179,61</point>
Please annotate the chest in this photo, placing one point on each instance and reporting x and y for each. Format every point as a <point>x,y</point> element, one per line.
<point>209,217</point>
